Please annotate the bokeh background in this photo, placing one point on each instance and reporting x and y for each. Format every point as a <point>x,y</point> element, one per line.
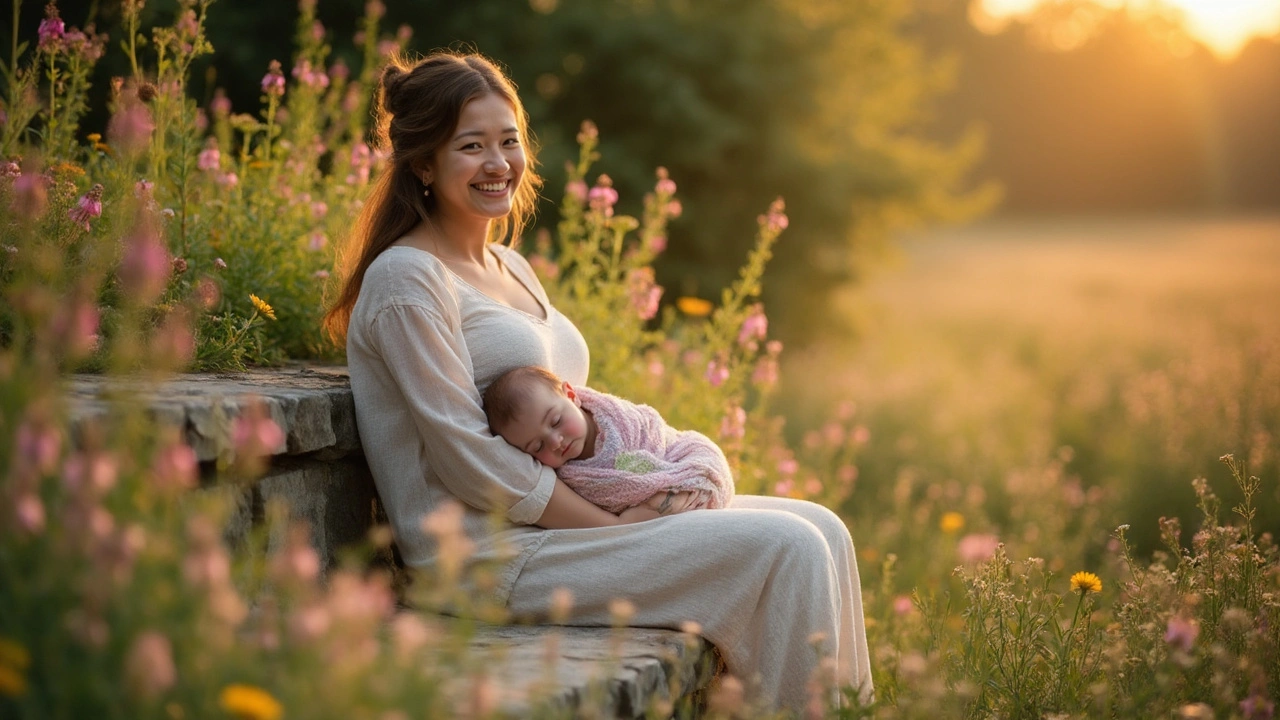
<point>1029,238</point>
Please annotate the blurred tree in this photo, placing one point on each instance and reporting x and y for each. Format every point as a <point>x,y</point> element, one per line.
<point>819,101</point>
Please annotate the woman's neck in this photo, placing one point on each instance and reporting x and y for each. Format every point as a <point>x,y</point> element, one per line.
<point>456,243</point>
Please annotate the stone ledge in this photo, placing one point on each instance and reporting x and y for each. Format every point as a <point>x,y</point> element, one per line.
<point>601,672</point>
<point>319,471</point>
<point>312,405</point>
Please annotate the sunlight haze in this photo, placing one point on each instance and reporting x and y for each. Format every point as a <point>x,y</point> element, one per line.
<point>1224,26</point>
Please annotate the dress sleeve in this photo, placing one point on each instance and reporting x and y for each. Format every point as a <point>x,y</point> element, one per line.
<point>428,360</point>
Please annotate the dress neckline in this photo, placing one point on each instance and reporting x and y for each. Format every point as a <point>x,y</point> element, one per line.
<point>545,307</point>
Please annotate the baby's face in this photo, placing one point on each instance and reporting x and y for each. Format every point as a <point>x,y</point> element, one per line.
<point>548,425</point>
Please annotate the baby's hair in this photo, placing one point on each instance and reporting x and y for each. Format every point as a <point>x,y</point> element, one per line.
<point>506,394</point>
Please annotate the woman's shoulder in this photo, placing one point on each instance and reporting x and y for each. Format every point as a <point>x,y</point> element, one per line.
<point>402,275</point>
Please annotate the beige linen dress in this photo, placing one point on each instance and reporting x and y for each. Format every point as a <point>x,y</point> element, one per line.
<point>761,577</point>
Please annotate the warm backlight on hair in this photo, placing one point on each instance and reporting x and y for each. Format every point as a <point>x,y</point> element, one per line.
<point>1225,26</point>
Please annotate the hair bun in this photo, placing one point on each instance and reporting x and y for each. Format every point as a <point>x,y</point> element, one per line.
<point>393,77</point>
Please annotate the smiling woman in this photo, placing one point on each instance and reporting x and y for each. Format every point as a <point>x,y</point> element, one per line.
<point>1224,26</point>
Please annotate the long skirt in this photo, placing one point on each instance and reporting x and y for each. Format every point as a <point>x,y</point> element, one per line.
<point>772,582</point>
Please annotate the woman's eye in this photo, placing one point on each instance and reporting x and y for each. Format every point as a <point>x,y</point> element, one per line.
<point>536,448</point>
<point>556,423</point>
<point>511,142</point>
<point>471,146</point>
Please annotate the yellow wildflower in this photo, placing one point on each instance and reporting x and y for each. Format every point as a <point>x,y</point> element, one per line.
<point>695,307</point>
<point>247,702</point>
<point>259,164</point>
<point>13,654</point>
<point>261,306</point>
<point>12,682</point>
<point>1086,582</point>
<point>93,137</point>
<point>951,522</point>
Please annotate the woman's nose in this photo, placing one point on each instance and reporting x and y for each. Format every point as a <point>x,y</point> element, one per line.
<point>496,164</point>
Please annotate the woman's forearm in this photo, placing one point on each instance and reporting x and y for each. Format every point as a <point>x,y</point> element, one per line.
<point>567,509</point>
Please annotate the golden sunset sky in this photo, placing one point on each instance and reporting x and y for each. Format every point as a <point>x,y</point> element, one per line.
<point>1225,26</point>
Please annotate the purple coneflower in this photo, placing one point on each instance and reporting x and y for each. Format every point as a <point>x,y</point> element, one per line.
<point>88,207</point>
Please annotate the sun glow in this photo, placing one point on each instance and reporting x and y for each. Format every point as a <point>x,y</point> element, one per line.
<point>1225,26</point>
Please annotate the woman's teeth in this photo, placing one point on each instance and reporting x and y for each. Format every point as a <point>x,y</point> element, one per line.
<point>492,187</point>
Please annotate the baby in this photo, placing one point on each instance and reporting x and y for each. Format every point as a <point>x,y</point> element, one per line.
<point>619,455</point>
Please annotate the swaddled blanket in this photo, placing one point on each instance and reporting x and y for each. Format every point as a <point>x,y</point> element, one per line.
<point>638,455</point>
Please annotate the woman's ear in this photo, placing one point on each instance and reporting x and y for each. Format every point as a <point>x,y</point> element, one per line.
<point>423,170</point>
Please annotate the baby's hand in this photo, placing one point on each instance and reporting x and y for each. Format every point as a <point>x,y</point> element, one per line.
<point>639,513</point>
<point>670,503</point>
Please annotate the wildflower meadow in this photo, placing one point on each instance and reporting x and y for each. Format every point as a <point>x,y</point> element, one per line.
<point>183,236</point>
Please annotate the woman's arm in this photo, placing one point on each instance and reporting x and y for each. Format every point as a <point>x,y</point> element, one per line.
<point>567,509</point>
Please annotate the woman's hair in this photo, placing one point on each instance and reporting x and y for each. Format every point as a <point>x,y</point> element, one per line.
<point>417,109</point>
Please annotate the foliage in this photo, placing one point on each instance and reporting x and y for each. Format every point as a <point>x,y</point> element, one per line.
<point>818,101</point>
<point>243,205</point>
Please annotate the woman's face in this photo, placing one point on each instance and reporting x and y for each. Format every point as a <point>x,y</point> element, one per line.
<point>474,175</point>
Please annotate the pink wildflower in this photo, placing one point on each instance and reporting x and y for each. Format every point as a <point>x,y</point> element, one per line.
<point>39,446</point>
<point>576,189</point>
<point>149,665</point>
<point>776,220</point>
<point>207,293</point>
<point>320,274</point>
<point>765,373</point>
<point>316,241</point>
<point>754,327</point>
<point>28,510</point>
<point>339,71</point>
<point>273,81</point>
<point>88,207</point>
<point>8,168</point>
<point>603,197</point>
<point>319,209</point>
<point>179,265</point>
<point>219,264</point>
<point>131,127</point>
<point>587,132</point>
<point>77,325</point>
<point>52,30</point>
<point>717,374</point>
<point>142,189</point>
<point>221,104</point>
<point>675,209</point>
<point>173,468</point>
<point>227,180</point>
<point>1257,707</point>
<point>255,434</point>
<point>643,292</point>
<point>788,466</point>
<point>210,159</point>
<point>1181,633</point>
<point>145,267</point>
<point>734,424</point>
<point>30,191</point>
<point>665,186</point>
<point>658,243</point>
<point>903,606</point>
<point>375,9</point>
<point>977,548</point>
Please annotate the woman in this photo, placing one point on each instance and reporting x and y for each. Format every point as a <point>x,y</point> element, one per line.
<point>434,309</point>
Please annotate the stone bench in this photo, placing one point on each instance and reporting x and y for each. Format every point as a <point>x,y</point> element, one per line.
<point>319,472</point>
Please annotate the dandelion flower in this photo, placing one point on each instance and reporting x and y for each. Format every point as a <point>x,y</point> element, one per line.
<point>951,522</point>
<point>250,703</point>
<point>694,307</point>
<point>1086,582</point>
<point>261,306</point>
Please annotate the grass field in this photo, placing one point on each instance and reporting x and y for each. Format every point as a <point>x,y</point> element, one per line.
<point>1047,377</point>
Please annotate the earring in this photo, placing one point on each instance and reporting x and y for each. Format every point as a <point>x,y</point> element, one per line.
<point>426,192</point>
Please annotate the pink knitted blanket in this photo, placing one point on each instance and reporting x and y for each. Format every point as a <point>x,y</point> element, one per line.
<point>638,455</point>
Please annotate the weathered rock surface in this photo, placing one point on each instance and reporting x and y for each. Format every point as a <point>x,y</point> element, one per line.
<point>318,471</point>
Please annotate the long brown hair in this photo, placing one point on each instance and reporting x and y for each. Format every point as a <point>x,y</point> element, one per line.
<point>417,110</point>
